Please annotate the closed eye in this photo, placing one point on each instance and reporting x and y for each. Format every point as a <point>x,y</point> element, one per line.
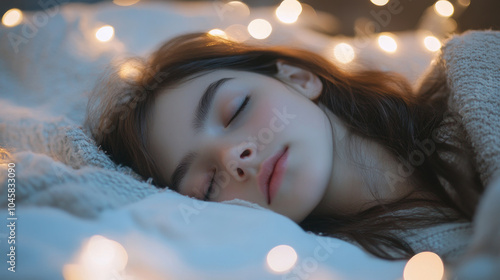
<point>208,193</point>
<point>240,109</point>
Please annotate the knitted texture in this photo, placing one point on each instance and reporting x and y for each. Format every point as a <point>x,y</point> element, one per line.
<point>471,64</point>
<point>60,166</point>
<point>473,73</point>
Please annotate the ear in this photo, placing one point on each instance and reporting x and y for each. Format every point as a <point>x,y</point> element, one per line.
<point>305,82</point>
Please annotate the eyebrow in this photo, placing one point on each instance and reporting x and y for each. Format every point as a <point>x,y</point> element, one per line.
<point>201,115</point>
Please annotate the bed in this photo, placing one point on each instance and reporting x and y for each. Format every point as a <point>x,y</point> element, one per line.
<point>77,215</point>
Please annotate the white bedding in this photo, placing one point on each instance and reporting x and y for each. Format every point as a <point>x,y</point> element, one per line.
<point>45,78</point>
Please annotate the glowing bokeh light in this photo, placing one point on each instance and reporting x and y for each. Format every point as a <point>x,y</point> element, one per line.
<point>125,2</point>
<point>260,28</point>
<point>289,11</point>
<point>380,2</point>
<point>101,258</point>
<point>12,17</point>
<point>101,252</point>
<point>343,52</point>
<point>281,258</point>
<point>432,43</point>
<point>130,70</point>
<point>105,33</point>
<point>425,265</point>
<point>450,25</point>
<point>218,33</point>
<point>464,3</point>
<point>238,9</point>
<point>444,8</point>
<point>387,43</point>
<point>74,272</point>
<point>237,32</point>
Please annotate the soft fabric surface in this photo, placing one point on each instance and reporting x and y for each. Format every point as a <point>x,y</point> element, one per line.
<point>471,64</point>
<point>69,190</point>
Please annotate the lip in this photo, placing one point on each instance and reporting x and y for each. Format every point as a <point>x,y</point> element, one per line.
<point>271,174</point>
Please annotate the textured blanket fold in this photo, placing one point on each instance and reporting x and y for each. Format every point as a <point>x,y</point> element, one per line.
<point>471,64</point>
<point>60,166</point>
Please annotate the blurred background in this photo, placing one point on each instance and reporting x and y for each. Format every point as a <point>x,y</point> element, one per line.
<point>403,36</point>
<point>346,15</point>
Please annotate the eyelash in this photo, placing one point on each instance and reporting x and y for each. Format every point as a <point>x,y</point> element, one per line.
<point>240,109</point>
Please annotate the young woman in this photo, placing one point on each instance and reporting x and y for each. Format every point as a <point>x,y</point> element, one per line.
<point>351,155</point>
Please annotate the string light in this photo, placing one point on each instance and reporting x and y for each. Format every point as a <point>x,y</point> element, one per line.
<point>432,43</point>
<point>344,53</point>
<point>450,25</point>
<point>281,258</point>
<point>380,2</point>
<point>387,42</point>
<point>238,9</point>
<point>105,33</point>
<point>425,265</point>
<point>444,8</point>
<point>131,70</point>
<point>100,258</point>
<point>260,28</point>
<point>217,32</point>
<point>288,11</point>
<point>125,2</point>
<point>237,32</point>
<point>12,17</point>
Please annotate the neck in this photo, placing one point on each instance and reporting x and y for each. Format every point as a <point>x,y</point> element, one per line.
<point>362,172</point>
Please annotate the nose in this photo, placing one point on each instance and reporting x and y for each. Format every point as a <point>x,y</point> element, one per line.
<point>239,159</point>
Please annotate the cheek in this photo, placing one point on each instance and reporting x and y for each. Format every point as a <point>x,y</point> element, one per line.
<point>263,125</point>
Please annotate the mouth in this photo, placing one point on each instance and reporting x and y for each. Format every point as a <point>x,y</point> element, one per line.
<point>271,174</point>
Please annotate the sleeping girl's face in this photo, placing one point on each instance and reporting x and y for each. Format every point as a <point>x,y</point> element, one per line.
<point>229,128</point>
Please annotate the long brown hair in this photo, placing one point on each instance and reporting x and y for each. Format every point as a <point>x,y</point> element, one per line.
<point>375,105</point>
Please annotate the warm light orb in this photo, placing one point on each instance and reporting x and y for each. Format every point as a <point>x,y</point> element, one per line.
<point>425,265</point>
<point>74,272</point>
<point>125,2</point>
<point>12,17</point>
<point>281,258</point>
<point>450,25</point>
<point>380,2</point>
<point>289,11</point>
<point>104,254</point>
<point>464,3</point>
<point>99,252</point>
<point>343,52</point>
<point>105,33</point>
<point>387,43</point>
<point>444,8</point>
<point>260,28</point>
<point>100,258</point>
<point>131,70</point>
<point>238,8</point>
<point>218,33</point>
<point>432,43</point>
<point>237,32</point>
